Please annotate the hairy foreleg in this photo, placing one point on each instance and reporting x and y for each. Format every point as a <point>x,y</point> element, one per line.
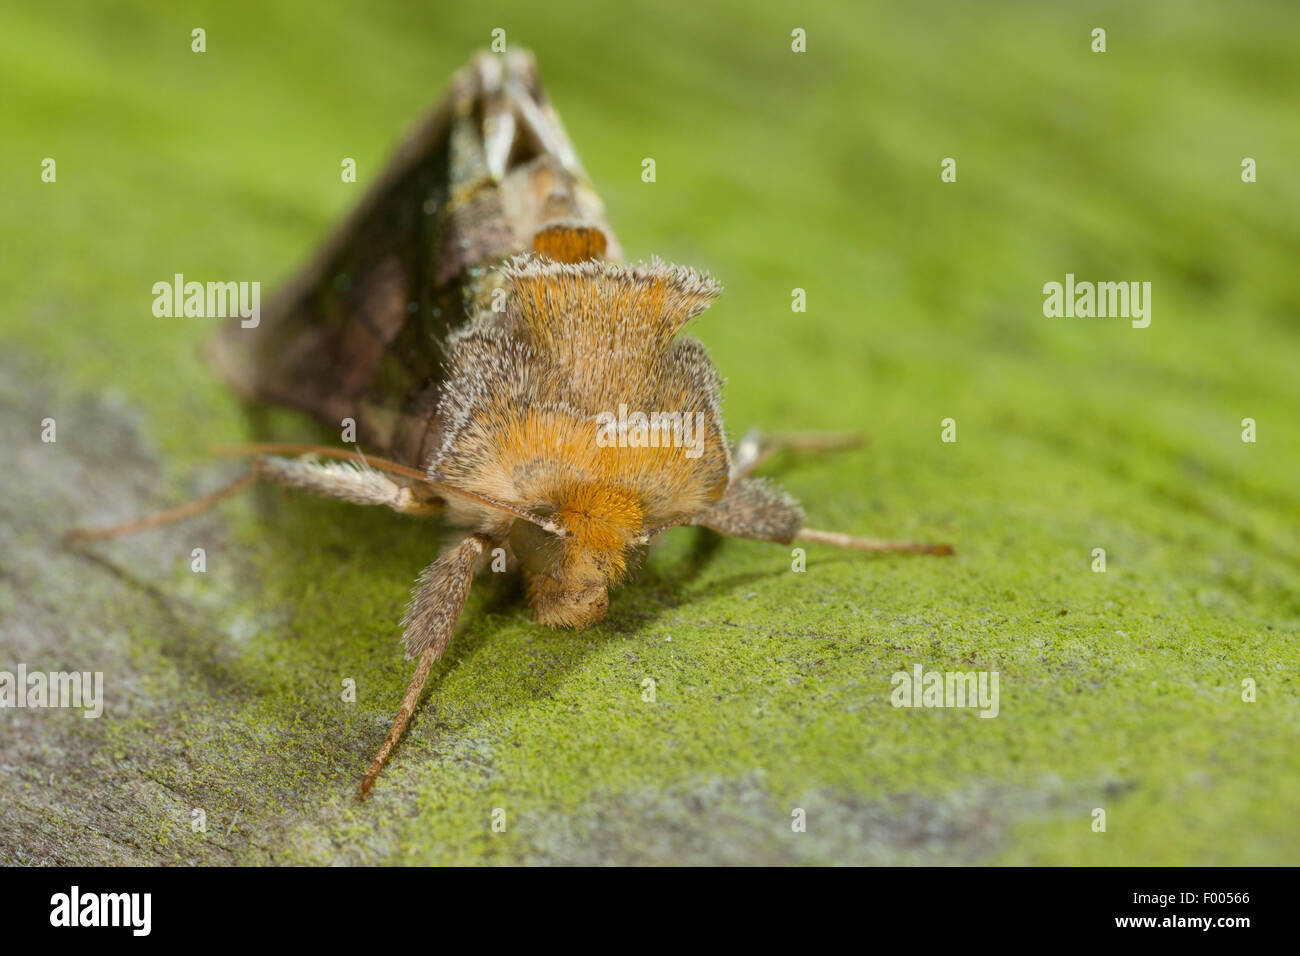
<point>754,448</point>
<point>355,483</point>
<point>755,508</point>
<point>436,602</point>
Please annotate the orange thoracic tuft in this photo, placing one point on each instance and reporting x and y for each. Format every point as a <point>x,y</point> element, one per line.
<point>526,390</point>
<point>605,324</point>
<point>526,409</point>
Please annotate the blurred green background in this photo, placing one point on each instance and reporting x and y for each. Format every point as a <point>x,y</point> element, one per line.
<point>775,170</point>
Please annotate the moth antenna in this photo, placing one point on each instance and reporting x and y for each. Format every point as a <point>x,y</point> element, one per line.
<point>179,513</point>
<point>839,540</point>
<point>543,522</point>
<point>324,451</point>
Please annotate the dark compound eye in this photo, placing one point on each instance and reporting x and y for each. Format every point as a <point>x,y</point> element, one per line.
<point>536,548</point>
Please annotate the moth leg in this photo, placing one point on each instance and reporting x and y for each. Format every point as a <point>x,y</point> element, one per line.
<point>355,483</point>
<point>757,509</point>
<point>179,513</point>
<point>436,602</point>
<point>348,482</point>
<point>754,449</point>
<point>839,540</point>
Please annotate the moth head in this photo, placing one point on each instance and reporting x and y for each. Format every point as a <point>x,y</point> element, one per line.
<point>569,573</point>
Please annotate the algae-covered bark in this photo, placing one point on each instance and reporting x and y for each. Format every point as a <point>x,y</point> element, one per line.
<point>1120,690</point>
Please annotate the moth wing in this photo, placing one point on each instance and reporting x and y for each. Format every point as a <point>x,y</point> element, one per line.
<point>342,340</point>
<point>359,332</point>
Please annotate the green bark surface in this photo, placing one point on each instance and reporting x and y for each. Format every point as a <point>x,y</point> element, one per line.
<point>776,170</point>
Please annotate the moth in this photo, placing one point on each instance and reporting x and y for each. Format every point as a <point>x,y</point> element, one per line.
<point>475,319</point>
